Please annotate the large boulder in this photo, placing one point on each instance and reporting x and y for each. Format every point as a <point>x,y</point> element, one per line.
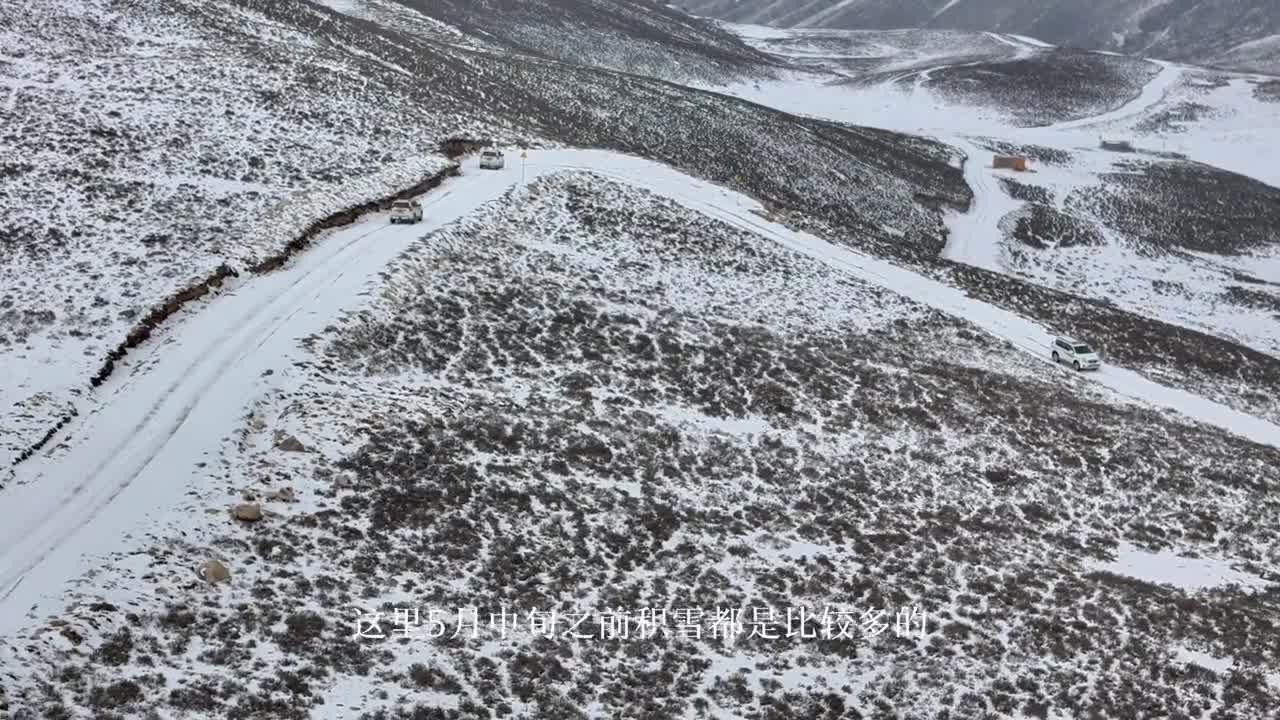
<point>214,572</point>
<point>247,512</point>
<point>284,494</point>
<point>289,443</point>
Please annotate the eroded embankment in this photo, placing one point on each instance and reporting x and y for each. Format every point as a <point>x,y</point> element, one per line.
<point>453,148</point>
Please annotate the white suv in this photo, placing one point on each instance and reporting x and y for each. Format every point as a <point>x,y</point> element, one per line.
<point>1074,353</point>
<point>407,211</point>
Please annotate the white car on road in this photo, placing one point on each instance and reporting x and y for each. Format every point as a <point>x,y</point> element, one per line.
<point>491,159</point>
<point>1074,353</point>
<point>406,211</point>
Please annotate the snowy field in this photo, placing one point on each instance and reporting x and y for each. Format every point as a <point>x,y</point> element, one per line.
<point>116,198</point>
<point>295,106</point>
<point>1190,242</point>
<point>620,388</point>
<point>869,56</point>
<point>650,41</point>
<point>733,376</point>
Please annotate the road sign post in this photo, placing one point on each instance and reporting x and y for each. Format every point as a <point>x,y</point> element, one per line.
<point>524,154</point>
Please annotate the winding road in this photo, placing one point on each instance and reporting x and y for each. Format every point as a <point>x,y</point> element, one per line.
<point>975,235</point>
<point>153,428</point>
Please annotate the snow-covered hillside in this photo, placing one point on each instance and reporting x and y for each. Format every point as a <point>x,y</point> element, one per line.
<point>752,327</point>
<point>141,153</point>
<point>587,398</point>
<point>1044,86</point>
<point>1180,231</point>
<point>1239,34</point>
<point>636,36</point>
<point>259,118</point>
<point>875,55</point>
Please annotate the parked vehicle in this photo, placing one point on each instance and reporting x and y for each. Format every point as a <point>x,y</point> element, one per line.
<point>1074,353</point>
<point>406,211</point>
<point>491,159</point>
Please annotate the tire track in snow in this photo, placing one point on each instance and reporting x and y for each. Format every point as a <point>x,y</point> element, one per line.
<point>204,377</point>
<point>142,443</point>
<point>131,379</point>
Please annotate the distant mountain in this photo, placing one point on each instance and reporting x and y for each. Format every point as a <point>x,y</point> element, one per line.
<point>1240,34</point>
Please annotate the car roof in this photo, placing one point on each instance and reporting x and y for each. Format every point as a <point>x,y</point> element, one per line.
<point>1070,341</point>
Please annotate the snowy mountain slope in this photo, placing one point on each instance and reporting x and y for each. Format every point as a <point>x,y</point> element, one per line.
<point>637,36</point>
<point>320,110</point>
<point>583,394</point>
<point>141,152</point>
<point>1022,324</point>
<point>1113,228</point>
<point>1025,84</point>
<point>1045,87</point>
<point>590,398</point>
<point>869,182</point>
<point>151,422</point>
<point>874,187</point>
<point>871,55</point>
<point>1239,34</point>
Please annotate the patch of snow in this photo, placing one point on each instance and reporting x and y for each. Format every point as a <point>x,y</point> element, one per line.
<point>1030,40</point>
<point>1186,573</point>
<point>756,32</point>
<point>742,427</point>
<point>1204,660</point>
<point>818,18</point>
<point>1001,38</point>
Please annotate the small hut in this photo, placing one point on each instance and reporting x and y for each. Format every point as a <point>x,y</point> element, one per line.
<point>1009,162</point>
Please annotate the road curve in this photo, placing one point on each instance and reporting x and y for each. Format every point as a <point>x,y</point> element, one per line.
<point>141,450</point>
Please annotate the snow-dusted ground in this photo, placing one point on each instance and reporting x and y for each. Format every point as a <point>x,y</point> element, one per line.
<point>143,150</point>
<point>886,55</point>
<point>1073,235</point>
<point>153,426</point>
<point>630,386</point>
<point>151,429</point>
<point>636,359</point>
